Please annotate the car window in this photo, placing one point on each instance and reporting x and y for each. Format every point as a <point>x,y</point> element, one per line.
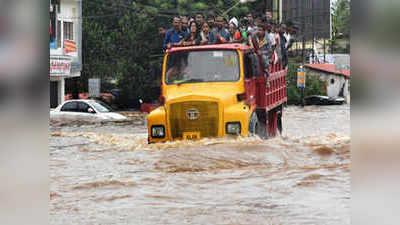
<point>101,107</point>
<point>70,107</point>
<point>83,107</point>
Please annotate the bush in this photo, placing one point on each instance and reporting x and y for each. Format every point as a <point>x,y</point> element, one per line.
<point>314,86</point>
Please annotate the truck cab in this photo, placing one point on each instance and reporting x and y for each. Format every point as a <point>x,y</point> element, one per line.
<point>214,91</point>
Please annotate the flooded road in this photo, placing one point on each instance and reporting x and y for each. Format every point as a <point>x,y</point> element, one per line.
<point>108,174</point>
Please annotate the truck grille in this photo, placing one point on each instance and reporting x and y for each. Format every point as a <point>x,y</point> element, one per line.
<point>194,116</point>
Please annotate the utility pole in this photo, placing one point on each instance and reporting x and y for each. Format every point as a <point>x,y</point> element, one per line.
<point>324,51</point>
<point>237,3</point>
<point>313,30</point>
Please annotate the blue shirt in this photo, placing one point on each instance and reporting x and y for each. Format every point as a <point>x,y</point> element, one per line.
<point>224,33</point>
<point>186,31</point>
<point>171,36</point>
<point>283,44</point>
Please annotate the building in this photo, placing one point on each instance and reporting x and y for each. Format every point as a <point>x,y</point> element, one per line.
<point>65,46</point>
<point>312,16</point>
<point>337,82</point>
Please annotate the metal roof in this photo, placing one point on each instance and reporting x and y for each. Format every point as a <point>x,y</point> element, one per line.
<point>329,68</point>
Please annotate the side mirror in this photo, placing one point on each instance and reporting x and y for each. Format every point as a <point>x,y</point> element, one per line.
<point>90,110</point>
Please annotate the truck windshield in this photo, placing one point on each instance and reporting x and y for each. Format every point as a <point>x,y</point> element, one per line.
<point>202,66</point>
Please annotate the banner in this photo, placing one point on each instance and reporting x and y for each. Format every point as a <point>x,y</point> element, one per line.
<point>94,87</point>
<point>69,46</point>
<point>60,66</point>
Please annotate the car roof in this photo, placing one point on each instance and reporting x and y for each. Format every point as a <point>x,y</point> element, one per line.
<point>230,46</point>
<point>81,100</point>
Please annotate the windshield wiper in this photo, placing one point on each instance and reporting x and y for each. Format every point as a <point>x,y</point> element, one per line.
<point>189,81</point>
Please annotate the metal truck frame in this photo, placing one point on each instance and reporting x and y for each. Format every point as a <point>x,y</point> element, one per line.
<point>251,104</point>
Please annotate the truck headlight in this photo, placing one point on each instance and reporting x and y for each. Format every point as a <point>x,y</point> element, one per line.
<point>157,131</point>
<point>233,128</point>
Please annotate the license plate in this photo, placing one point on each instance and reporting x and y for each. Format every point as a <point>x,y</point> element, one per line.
<point>191,135</point>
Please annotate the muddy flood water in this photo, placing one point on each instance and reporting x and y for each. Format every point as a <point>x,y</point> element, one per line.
<point>108,174</point>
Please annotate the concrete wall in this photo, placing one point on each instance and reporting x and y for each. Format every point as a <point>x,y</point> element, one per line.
<point>334,84</point>
<point>70,11</point>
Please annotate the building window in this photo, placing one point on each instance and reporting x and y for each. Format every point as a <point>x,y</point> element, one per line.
<point>56,5</point>
<point>55,33</point>
<point>52,30</point>
<point>68,31</point>
<point>58,32</point>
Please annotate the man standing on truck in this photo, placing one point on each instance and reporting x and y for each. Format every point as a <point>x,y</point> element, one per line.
<point>265,46</point>
<point>251,28</point>
<point>283,41</point>
<point>174,36</point>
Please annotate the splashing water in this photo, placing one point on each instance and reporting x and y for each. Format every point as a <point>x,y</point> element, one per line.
<point>109,174</point>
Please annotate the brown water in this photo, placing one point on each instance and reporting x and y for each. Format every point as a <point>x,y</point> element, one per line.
<point>108,174</point>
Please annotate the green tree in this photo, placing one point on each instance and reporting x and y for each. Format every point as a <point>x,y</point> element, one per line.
<point>314,86</point>
<point>121,41</point>
<point>341,18</point>
<point>341,26</point>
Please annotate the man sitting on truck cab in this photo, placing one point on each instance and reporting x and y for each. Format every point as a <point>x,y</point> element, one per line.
<point>174,36</point>
<point>193,38</point>
<point>184,25</point>
<point>199,18</point>
<point>211,23</point>
<point>206,35</point>
<point>220,35</point>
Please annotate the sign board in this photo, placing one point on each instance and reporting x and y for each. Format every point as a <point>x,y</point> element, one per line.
<point>60,66</point>
<point>69,46</point>
<point>301,77</point>
<point>94,87</point>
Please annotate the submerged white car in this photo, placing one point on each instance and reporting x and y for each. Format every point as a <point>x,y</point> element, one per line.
<point>88,110</point>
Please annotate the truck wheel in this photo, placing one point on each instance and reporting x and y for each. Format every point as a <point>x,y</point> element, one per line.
<point>280,128</point>
<point>273,124</point>
<point>255,127</point>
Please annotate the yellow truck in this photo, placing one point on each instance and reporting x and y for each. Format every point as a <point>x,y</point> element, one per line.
<point>217,90</point>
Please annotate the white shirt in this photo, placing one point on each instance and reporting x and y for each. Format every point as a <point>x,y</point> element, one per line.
<point>272,38</point>
<point>252,30</point>
<point>288,37</point>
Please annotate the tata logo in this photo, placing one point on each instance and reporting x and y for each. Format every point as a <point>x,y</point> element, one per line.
<point>192,114</point>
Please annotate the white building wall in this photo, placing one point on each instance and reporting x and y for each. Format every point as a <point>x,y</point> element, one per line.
<point>347,91</point>
<point>334,88</point>
<point>61,90</point>
<point>69,13</point>
<point>334,85</point>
